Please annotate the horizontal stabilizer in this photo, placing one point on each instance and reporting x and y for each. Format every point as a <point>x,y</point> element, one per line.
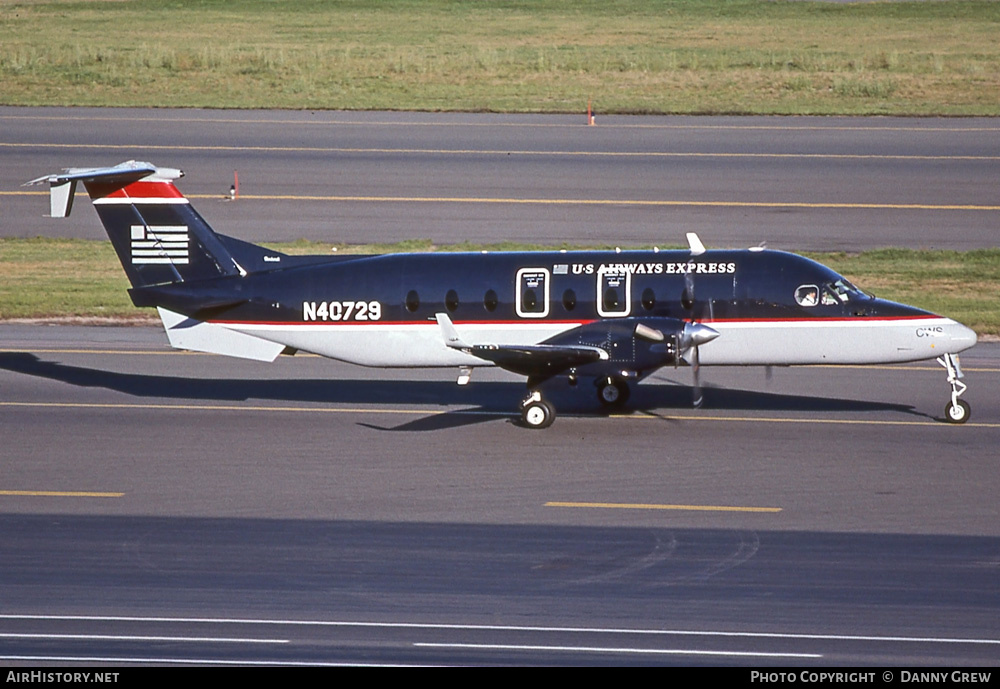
<point>62,186</point>
<point>198,336</point>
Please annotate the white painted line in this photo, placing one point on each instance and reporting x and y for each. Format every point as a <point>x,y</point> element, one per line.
<point>129,637</point>
<point>599,649</point>
<point>192,661</point>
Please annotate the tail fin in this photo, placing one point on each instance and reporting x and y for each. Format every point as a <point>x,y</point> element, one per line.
<point>159,237</point>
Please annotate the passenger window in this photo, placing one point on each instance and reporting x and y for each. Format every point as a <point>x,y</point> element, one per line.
<point>569,300</point>
<point>412,302</point>
<point>529,300</point>
<point>648,299</point>
<point>611,299</point>
<point>451,300</point>
<point>490,301</point>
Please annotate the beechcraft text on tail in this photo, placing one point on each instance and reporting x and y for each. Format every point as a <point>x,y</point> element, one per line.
<point>612,318</point>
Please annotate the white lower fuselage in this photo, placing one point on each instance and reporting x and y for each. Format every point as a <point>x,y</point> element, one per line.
<point>740,343</point>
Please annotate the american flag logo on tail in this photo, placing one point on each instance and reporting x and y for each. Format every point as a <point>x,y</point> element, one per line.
<point>160,244</point>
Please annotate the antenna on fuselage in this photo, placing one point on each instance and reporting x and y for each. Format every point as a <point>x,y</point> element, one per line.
<point>697,248</point>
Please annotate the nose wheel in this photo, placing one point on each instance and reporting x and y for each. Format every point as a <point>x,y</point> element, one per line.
<point>956,411</point>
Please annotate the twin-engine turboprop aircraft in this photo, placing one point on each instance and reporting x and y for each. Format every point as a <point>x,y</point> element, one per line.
<point>611,317</point>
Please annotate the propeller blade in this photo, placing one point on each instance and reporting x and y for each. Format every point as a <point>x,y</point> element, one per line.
<point>687,296</point>
<point>696,371</point>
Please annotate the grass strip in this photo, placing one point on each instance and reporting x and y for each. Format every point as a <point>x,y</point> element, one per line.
<point>629,56</point>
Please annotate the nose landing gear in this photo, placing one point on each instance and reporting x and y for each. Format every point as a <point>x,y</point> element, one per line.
<point>956,411</point>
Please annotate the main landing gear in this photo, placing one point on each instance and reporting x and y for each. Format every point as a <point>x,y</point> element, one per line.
<point>956,411</point>
<point>612,392</point>
<point>536,412</point>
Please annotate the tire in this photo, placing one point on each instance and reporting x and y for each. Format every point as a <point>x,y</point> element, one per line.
<point>957,413</point>
<point>613,392</point>
<point>538,415</point>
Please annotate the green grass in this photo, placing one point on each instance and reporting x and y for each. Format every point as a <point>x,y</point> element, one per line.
<point>635,56</point>
<point>59,278</point>
<point>42,278</point>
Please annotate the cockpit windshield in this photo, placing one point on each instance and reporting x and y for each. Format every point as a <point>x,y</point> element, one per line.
<point>830,293</point>
<point>843,289</point>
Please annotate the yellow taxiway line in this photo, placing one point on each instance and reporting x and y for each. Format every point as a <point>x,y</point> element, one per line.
<point>61,493</point>
<point>671,203</point>
<point>499,152</point>
<point>617,202</point>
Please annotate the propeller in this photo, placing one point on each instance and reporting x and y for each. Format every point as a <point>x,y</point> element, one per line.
<point>690,340</point>
<point>686,341</point>
<point>694,334</point>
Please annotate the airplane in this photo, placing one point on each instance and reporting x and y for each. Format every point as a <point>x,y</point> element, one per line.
<point>613,317</point>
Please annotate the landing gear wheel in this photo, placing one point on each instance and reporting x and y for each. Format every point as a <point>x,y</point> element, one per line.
<point>538,414</point>
<point>957,412</point>
<point>612,392</point>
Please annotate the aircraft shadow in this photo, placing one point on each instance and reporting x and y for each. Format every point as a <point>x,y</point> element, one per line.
<point>484,400</point>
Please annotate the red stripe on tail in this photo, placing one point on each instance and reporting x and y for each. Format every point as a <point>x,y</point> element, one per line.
<point>135,190</point>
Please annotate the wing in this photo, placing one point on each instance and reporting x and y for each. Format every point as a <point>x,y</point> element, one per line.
<point>640,346</point>
<point>534,361</point>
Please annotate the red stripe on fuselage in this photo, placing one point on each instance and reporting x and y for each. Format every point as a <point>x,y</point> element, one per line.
<point>529,321</point>
<point>383,321</point>
<point>821,319</point>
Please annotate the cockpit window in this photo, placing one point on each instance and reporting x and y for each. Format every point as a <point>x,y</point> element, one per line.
<point>844,290</point>
<point>807,295</point>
